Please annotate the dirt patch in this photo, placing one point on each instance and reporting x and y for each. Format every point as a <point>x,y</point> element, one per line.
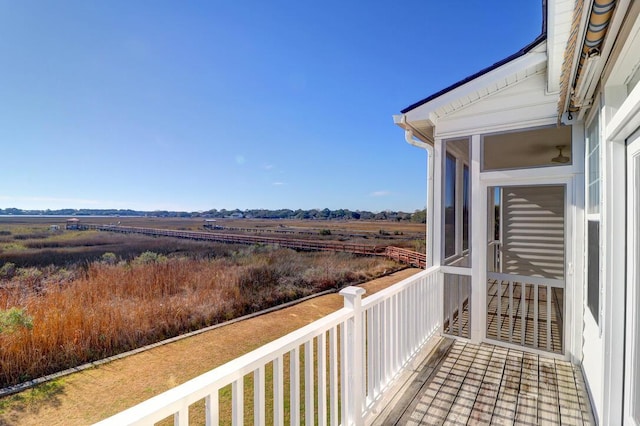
<point>92,395</point>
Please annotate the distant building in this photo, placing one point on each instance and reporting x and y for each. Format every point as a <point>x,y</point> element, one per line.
<point>211,224</point>
<point>72,223</point>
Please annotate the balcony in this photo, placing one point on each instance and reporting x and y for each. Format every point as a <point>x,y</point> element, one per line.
<point>378,360</point>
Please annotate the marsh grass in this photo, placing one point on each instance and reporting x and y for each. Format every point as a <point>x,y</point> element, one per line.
<point>72,247</point>
<point>86,313</point>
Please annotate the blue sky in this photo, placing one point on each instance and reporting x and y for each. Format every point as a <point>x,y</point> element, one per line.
<point>194,105</point>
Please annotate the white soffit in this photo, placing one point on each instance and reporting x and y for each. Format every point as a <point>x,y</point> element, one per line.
<point>559,17</point>
<point>496,80</point>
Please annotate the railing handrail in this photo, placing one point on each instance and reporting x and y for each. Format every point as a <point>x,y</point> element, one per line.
<point>552,282</point>
<point>406,255</point>
<point>384,294</point>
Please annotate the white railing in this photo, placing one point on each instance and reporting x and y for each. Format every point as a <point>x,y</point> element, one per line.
<point>332,371</point>
<point>524,310</point>
<point>457,305</point>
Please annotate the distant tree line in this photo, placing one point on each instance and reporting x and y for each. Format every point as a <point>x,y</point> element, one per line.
<point>418,216</point>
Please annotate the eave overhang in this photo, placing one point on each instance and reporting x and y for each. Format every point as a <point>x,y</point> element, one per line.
<point>424,115</point>
<point>440,94</point>
<point>544,54</point>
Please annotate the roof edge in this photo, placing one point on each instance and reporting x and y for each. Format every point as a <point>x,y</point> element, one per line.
<point>541,38</point>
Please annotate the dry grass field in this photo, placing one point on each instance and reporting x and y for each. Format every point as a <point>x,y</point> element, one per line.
<point>69,297</point>
<point>94,394</point>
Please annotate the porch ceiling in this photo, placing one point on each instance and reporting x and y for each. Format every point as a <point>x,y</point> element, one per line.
<point>531,148</point>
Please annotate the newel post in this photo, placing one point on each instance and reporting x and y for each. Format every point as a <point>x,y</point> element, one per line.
<point>353,386</point>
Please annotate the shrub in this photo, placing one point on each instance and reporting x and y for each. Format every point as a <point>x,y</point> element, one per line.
<point>325,232</point>
<point>8,270</point>
<point>149,257</point>
<point>13,319</point>
<point>109,258</point>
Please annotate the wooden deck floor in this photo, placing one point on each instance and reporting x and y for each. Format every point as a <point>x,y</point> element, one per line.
<point>463,383</point>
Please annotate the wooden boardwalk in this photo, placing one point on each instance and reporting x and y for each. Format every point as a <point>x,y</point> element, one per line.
<point>463,383</point>
<point>398,254</point>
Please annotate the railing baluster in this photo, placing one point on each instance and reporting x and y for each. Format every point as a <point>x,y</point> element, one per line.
<point>448,292</point>
<point>548,317</point>
<point>510,311</point>
<point>181,418</point>
<point>333,376</point>
<point>258,396</point>
<point>402,327</point>
<point>397,331</point>
<point>523,313</point>
<point>237,401</point>
<point>211,409</point>
<point>459,294</point>
<point>278,391</point>
<point>322,380</point>
<point>383,323</point>
<point>294,386</point>
<point>308,383</point>
<point>344,383</point>
<point>414,319</point>
<point>389,342</point>
<point>371,357</point>
<point>535,315</point>
<point>499,296</point>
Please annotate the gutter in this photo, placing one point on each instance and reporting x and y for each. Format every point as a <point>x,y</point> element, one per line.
<point>411,140</point>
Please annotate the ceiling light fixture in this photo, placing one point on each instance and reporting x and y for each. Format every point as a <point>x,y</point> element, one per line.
<point>560,158</point>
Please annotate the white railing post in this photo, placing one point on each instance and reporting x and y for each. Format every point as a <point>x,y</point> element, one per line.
<point>353,386</point>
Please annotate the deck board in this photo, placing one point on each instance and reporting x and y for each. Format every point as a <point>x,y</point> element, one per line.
<point>468,392</point>
<point>490,387</point>
<point>487,384</point>
<point>507,402</point>
<point>461,401</point>
<point>526,411</point>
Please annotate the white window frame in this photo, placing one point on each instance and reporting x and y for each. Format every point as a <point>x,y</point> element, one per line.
<point>461,161</point>
<point>595,116</point>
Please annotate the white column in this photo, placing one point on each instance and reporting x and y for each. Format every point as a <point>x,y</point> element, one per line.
<point>353,382</point>
<point>430,210</point>
<point>438,201</point>
<point>478,244</point>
